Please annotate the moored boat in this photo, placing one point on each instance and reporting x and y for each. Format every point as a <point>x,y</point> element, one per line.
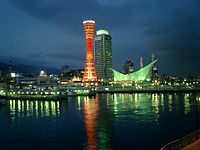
<point>80,91</point>
<point>36,94</point>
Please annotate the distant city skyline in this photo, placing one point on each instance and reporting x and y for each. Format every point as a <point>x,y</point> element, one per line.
<point>50,33</point>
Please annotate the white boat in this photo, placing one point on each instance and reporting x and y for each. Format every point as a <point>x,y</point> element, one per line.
<point>80,91</point>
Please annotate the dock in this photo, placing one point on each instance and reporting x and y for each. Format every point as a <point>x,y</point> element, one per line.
<point>146,89</point>
<point>193,146</point>
<point>188,142</point>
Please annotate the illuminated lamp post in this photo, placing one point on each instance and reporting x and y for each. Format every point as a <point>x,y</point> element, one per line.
<point>89,71</point>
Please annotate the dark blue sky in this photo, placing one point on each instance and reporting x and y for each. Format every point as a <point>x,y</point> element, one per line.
<point>50,32</point>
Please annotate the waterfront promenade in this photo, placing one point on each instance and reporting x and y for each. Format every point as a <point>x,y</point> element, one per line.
<point>188,142</point>
<point>146,89</point>
<point>64,91</point>
<point>193,146</point>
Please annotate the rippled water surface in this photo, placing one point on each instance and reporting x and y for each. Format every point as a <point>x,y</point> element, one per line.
<point>107,121</point>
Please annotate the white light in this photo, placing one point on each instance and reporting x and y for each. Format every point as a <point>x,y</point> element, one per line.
<point>107,89</point>
<point>13,75</point>
<point>88,21</point>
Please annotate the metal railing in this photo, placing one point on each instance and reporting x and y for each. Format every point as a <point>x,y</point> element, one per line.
<point>182,142</point>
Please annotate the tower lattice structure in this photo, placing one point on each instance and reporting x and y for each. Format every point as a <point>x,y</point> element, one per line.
<point>89,71</point>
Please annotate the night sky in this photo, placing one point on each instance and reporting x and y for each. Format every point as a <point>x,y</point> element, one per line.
<point>50,32</point>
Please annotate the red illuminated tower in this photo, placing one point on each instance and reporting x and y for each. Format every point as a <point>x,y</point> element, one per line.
<point>90,71</point>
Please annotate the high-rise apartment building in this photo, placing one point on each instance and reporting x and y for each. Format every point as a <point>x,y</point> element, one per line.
<point>103,55</point>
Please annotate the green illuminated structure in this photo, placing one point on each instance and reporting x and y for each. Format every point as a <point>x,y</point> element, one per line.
<point>140,75</point>
<point>100,32</point>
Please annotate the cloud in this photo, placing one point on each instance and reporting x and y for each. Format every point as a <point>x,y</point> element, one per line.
<point>57,59</point>
<point>36,55</point>
<point>67,56</point>
<point>112,2</point>
<point>72,12</point>
<point>175,35</point>
<point>177,29</point>
<point>170,29</point>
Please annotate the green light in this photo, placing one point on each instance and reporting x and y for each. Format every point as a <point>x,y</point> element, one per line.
<point>100,32</point>
<point>140,75</point>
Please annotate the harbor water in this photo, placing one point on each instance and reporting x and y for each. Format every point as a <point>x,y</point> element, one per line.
<point>107,121</point>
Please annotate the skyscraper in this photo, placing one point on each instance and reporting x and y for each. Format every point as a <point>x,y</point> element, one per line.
<point>141,63</point>
<point>154,69</point>
<point>103,55</point>
<point>90,71</point>
<point>128,67</point>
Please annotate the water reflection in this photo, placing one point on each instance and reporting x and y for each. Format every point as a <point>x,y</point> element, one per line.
<point>136,106</point>
<point>107,121</point>
<point>33,108</point>
<point>91,110</point>
<point>148,107</point>
<point>97,123</point>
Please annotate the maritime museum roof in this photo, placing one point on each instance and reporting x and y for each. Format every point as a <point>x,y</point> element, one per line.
<point>140,75</point>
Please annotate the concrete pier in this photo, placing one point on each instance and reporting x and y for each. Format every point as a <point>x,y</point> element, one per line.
<point>193,146</point>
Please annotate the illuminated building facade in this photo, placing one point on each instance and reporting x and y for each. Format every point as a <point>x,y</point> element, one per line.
<point>43,73</point>
<point>103,55</point>
<point>69,76</point>
<point>140,75</point>
<point>89,71</point>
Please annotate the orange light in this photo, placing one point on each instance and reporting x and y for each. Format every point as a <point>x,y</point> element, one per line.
<point>89,71</point>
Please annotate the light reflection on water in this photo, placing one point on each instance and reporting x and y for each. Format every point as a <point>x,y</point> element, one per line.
<point>28,108</point>
<point>145,110</point>
<point>187,102</point>
<point>107,121</point>
<point>91,110</point>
